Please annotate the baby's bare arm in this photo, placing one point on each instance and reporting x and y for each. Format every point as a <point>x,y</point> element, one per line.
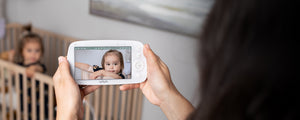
<point>84,66</point>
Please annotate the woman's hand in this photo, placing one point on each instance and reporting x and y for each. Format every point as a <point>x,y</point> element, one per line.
<point>68,94</point>
<point>160,90</point>
<point>158,85</point>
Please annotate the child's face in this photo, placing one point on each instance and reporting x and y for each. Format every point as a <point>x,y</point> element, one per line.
<point>31,52</point>
<point>112,64</point>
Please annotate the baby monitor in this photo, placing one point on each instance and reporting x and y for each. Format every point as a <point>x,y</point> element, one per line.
<point>107,62</point>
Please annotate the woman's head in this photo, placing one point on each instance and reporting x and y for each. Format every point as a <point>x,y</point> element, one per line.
<point>246,56</point>
<point>30,48</point>
<point>112,61</point>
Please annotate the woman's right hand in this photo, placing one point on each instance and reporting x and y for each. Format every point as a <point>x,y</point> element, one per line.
<point>158,85</point>
<point>160,90</point>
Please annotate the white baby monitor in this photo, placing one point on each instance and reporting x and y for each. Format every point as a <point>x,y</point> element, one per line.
<point>107,62</point>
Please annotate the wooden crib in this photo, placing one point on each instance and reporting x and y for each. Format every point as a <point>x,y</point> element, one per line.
<point>106,103</point>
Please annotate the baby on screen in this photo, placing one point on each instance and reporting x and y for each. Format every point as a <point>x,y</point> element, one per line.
<point>112,66</point>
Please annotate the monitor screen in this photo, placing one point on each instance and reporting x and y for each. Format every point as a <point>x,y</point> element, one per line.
<point>113,62</point>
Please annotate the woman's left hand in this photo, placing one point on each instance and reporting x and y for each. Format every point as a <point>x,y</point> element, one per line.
<point>68,94</point>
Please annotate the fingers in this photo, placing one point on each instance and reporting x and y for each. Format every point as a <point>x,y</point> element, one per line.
<point>129,87</point>
<point>89,89</point>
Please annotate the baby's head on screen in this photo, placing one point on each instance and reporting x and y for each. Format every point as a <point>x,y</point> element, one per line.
<point>112,61</point>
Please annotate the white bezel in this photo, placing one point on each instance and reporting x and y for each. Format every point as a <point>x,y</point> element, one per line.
<point>138,61</point>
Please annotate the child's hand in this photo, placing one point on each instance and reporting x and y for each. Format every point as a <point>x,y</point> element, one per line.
<point>96,74</point>
<point>32,69</point>
<point>8,55</point>
<point>38,68</point>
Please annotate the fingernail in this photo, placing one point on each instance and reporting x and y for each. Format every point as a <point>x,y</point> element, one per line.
<point>60,59</point>
<point>147,46</point>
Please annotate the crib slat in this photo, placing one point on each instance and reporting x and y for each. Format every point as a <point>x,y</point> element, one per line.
<point>123,103</point>
<point>52,53</point>
<point>33,99</point>
<point>59,49</point>
<point>110,101</point>
<point>46,51</point>
<point>14,38</point>
<point>1,44</point>
<point>18,95</point>
<point>140,105</point>
<point>51,104</point>
<point>87,108</point>
<point>96,104</point>
<point>42,101</point>
<point>3,93</point>
<point>11,114</point>
<point>129,102</point>
<point>43,78</point>
<point>9,39</point>
<point>103,102</point>
<point>58,52</point>
<point>116,104</point>
<point>24,93</point>
<point>8,43</point>
<point>134,104</point>
<point>66,45</point>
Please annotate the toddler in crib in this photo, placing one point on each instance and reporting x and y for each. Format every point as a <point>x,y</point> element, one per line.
<point>112,66</point>
<point>29,53</point>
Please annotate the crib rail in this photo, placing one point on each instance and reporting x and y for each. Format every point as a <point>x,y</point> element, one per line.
<point>13,107</point>
<point>106,103</point>
<point>54,44</point>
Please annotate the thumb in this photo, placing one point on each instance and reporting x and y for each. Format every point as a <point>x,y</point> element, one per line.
<point>151,57</point>
<point>64,66</point>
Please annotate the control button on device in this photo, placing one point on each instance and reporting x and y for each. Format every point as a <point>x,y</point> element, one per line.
<point>138,55</point>
<point>139,65</point>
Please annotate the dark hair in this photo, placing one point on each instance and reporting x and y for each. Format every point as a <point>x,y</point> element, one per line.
<point>28,36</point>
<point>247,62</point>
<point>114,52</point>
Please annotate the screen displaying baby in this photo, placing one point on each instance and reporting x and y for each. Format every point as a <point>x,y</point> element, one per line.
<point>102,63</point>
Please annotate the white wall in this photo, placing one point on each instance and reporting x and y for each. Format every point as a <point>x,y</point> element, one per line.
<point>72,18</point>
